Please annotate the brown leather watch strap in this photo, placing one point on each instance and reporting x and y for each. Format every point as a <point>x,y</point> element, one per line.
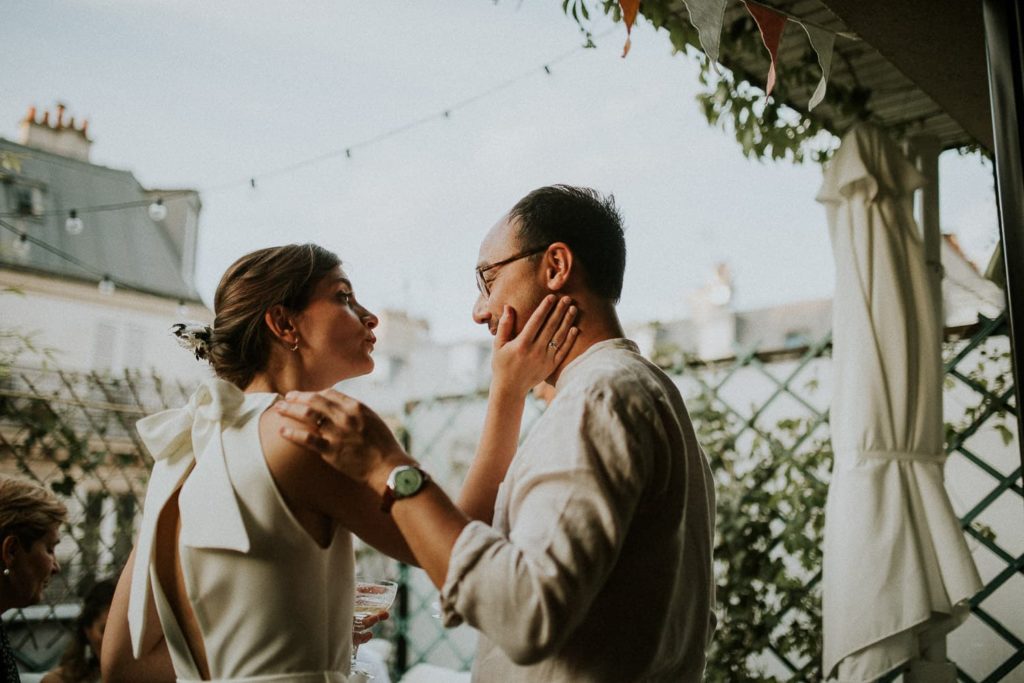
<point>387,501</point>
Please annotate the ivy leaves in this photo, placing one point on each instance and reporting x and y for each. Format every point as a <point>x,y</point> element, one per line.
<point>764,127</point>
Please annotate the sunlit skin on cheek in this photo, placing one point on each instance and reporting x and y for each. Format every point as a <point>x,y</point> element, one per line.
<point>37,566</point>
<point>513,284</point>
<point>522,298</point>
<point>336,331</point>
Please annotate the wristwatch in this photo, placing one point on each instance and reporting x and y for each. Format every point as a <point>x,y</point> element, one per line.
<point>404,481</point>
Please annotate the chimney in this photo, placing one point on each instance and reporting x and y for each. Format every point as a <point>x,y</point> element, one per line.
<point>63,138</point>
<point>712,313</point>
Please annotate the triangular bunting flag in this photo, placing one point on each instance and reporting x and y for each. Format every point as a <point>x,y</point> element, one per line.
<point>629,10</point>
<point>822,41</point>
<point>771,24</point>
<point>707,17</point>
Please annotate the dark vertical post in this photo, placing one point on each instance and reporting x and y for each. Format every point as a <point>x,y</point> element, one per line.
<point>124,532</point>
<point>1003,39</point>
<point>401,639</point>
<point>89,543</point>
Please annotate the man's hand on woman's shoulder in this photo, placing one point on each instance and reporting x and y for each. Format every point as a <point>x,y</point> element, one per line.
<point>347,434</point>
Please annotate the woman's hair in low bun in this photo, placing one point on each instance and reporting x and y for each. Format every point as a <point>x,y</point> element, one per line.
<point>239,342</point>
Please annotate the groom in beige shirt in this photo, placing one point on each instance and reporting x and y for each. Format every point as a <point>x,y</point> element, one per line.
<point>597,565</point>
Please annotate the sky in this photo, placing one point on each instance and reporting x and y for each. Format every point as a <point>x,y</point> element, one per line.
<point>189,93</point>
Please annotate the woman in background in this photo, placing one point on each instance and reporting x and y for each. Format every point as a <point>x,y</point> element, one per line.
<point>30,519</point>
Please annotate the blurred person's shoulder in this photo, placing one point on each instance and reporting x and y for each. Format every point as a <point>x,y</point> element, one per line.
<point>52,676</point>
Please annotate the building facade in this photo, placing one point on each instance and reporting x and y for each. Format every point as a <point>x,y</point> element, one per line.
<point>94,267</point>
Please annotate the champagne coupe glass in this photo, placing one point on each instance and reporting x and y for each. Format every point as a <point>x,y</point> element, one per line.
<point>372,598</point>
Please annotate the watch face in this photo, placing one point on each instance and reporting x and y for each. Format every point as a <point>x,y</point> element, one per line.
<point>407,482</point>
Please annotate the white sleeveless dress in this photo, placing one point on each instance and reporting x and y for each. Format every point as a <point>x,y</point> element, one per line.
<point>272,605</point>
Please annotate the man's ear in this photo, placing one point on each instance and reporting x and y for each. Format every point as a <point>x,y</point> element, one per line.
<point>281,322</point>
<point>558,265</point>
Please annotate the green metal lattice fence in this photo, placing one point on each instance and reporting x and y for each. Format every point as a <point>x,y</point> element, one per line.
<point>762,416</point>
<point>75,432</point>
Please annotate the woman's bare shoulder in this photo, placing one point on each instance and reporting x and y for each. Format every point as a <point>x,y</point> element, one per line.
<point>274,445</point>
<point>300,473</point>
<point>290,463</point>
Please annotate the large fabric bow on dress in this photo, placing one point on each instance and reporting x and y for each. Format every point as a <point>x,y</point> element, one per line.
<point>182,440</point>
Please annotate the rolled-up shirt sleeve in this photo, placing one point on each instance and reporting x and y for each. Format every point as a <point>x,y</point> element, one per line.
<point>570,504</point>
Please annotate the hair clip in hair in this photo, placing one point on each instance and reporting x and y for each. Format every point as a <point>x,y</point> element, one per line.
<point>194,337</point>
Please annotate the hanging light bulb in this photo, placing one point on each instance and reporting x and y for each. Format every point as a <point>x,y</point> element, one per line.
<point>74,224</point>
<point>106,285</point>
<point>182,309</point>
<point>157,210</point>
<point>22,246</point>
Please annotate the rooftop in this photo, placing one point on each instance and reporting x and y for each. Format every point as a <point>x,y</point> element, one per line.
<point>37,193</point>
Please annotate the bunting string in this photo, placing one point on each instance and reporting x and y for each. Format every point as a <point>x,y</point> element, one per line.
<point>772,25</point>
<point>823,43</point>
<point>849,35</point>
<point>629,12</point>
<point>705,17</point>
<point>708,17</point>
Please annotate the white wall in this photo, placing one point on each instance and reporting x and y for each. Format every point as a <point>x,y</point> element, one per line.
<point>91,331</point>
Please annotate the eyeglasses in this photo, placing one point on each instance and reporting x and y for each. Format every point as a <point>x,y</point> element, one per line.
<point>481,283</point>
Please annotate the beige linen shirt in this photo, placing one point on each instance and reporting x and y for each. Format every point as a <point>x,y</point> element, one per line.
<point>598,564</point>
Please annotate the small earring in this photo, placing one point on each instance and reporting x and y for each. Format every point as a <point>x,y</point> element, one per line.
<point>296,347</point>
<point>7,572</point>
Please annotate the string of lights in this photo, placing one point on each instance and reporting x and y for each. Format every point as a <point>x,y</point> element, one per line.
<point>107,284</point>
<point>164,196</point>
<point>440,114</point>
<point>251,180</point>
<point>158,211</point>
<point>25,241</point>
<point>74,223</point>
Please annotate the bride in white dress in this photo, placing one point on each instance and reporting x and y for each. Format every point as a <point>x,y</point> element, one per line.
<point>244,569</point>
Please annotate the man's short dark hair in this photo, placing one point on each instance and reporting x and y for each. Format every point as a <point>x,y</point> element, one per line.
<point>587,222</point>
